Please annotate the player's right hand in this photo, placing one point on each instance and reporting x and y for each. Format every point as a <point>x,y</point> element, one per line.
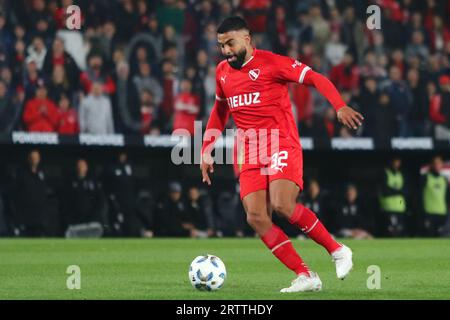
<point>206,166</point>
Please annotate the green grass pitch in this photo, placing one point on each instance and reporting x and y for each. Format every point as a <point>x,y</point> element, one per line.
<point>158,268</point>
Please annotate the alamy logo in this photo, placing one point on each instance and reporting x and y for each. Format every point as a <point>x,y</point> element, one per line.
<point>254,74</point>
<point>374,21</point>
<point>74,278</point>
<point>73,20</point>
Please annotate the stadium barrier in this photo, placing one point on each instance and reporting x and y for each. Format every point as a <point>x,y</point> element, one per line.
<point>169,141</point>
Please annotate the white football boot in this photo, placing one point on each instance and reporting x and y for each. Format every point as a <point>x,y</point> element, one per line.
<point>342,257</point>
<point>304,283</point>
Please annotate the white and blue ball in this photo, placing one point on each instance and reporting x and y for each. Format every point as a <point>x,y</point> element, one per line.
<point>207,273</point>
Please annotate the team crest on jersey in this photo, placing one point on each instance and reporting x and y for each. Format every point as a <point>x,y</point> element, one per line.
<point>254,74</point>
<point>296,63</point>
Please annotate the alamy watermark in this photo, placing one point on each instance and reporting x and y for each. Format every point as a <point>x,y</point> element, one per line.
<point>374,280</point>
<point>374,20</point>
<point>73,17</point>
<point>253,146</point>
<point>74,279</point>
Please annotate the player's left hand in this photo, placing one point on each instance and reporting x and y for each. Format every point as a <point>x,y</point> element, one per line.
<point>206,167</point>
<point>350,118</point>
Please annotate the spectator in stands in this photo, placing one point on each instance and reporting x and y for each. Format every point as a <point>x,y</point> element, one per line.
<point>172,219</point>
<point>9,110</point>
<point>84,198</point>
<point>59,84</point>
<point>439,35</point>
<point>151,115</point>
<point>96,73</point>
<point>229,220</point>
<point>40,21</point>
<point>320,27</point>
<point>187,107</point>
<point>143,12</point>
<point>277,30</point>
<point>315,199</point>
<point>199,208</point>
<point>58,56</point>
<point>31,77</point>
<point>255,13</point>
<point>127,219</point>
<point>17,60</point>
<point>68,117</point>
<point>169,82</point>
<point>351,219</point>
<point>96,112</point>
<point>352,34</point>
<point>40,113</point>
<point>5,35</point>
<point>345,75</point>
<point>107,39</point>
<point>37,51</point>
<point>30,199</point>
<point>393,202</point>
<point>11,85</point>
<point>417,46</point>
<point>370,68</point>
<point>402,101</point>
<point>435,198</point>
<point>440,107</point>
<point>419,118</point>
<point>334,50</point>
<point>146,81</point>
<point>369,98</point>
<point>208,41</point>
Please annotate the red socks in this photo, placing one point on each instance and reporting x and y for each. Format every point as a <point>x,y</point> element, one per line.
<point>280,245</point>
<point>307,221</point>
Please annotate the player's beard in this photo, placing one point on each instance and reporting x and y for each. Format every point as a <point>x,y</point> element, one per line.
<point>239,59</point>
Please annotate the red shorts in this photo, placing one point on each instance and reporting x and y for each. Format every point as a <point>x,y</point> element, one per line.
<point>286,164</point>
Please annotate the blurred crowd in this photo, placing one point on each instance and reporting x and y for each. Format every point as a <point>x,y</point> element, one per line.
<point>114,203</point>
<point>148,67</point>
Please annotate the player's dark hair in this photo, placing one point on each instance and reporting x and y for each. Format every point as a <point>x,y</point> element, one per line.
<point>233,23</point>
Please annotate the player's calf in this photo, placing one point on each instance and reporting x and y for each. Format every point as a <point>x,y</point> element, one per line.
<point>308,222</point>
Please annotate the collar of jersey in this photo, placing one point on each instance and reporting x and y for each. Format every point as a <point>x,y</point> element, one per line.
<point>251,58</point>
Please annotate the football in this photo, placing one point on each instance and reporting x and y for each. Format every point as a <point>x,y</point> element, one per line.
<point>207,273</point>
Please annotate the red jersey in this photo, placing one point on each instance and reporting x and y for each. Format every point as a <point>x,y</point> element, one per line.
<point>257,97</point>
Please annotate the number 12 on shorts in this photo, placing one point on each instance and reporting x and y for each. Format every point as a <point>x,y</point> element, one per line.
<point>279,160</point>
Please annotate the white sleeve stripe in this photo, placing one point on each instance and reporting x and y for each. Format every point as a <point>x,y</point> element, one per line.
<point>302,75</point>
<point>219,98</point>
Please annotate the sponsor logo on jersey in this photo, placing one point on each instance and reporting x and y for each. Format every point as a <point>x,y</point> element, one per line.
<point>222,78</point>
<point>245,99</point>
<point>254,74</point>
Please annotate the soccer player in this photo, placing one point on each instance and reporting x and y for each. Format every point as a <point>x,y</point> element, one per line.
<point>251,84</point>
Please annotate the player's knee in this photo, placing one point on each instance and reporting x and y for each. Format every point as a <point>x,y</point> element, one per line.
<point>257,219</point>
<point>283,208</point>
